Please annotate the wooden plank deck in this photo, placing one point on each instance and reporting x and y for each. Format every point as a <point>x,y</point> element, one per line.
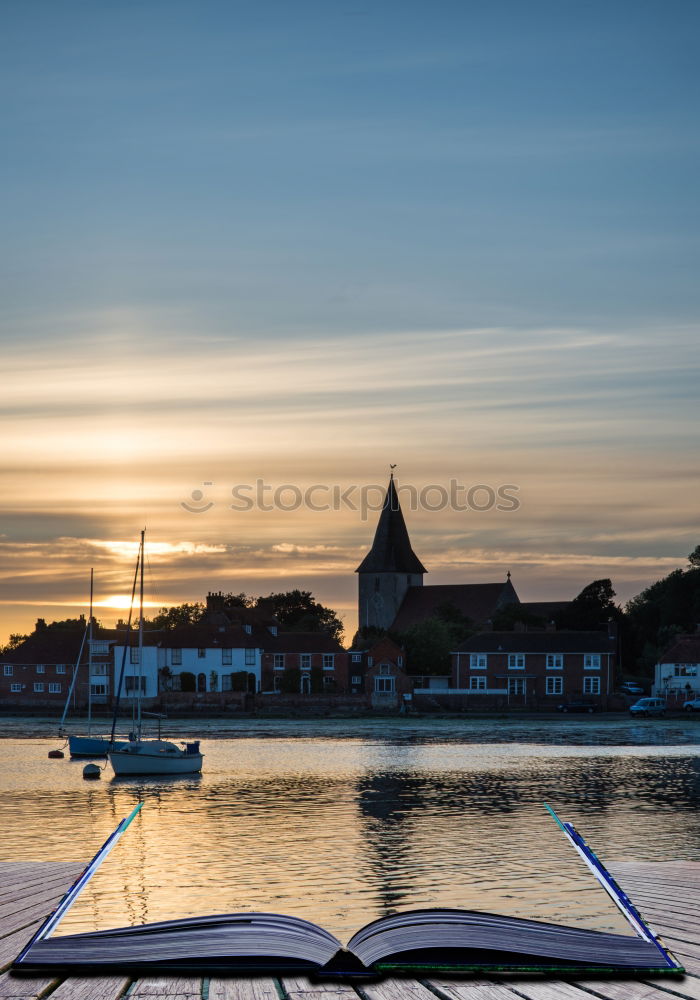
<point>666,894</point>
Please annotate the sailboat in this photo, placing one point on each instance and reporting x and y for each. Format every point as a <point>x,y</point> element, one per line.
<point>149,757</point>
<point>87,746</point>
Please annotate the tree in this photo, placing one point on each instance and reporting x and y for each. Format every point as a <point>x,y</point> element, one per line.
<point>298,611</point>
<point>13,642</point>
<point>177,616</point>
<point>459,625</point>
<point>593,607</point>
<point>694,556</point>
<point>428,646</point>
<point>662,611</point>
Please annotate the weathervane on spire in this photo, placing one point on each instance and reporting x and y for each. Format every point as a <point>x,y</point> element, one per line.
<point>392,467</point>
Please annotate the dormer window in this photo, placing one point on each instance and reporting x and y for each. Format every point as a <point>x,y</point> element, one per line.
<point>248,629</point>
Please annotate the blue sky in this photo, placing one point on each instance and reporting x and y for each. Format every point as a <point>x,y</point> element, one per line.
<point>228,227</point>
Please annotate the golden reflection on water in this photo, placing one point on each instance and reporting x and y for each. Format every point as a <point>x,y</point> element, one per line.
<point>343,831</point>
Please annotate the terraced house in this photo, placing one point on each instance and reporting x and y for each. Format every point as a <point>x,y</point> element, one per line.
<point>535,670</point>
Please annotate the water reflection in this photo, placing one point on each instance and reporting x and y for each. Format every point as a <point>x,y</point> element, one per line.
<point>341,831</point>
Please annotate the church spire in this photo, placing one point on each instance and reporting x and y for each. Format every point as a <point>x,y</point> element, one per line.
<point>391,550</point>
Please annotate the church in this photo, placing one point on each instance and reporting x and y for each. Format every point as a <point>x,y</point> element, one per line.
<point>391,592</point>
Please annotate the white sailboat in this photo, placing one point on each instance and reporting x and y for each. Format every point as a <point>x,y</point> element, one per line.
<point>87,746</point>
<point>151,757</point>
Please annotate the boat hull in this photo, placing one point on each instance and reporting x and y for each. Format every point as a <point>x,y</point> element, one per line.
<point>142,759</point>
<point>93,746</point>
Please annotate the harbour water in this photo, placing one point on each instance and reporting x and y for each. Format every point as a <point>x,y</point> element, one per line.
<point>340,821</point>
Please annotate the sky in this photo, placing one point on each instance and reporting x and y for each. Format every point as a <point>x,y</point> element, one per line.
<point>296,244</point>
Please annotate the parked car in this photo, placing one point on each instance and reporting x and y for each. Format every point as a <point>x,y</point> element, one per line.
<point>648,706</point>
<point>578,705</point>
<point>693,705</point>
<point>631,687</point>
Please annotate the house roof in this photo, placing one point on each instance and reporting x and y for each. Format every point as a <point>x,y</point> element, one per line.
<point>51,645</point>
<point>544,609</point>
<point>685,649</point>
<point>539,642</point>
<point>206,636</point>
<point>302,642</point>
<point>391,550</point>
<point>478,601</point>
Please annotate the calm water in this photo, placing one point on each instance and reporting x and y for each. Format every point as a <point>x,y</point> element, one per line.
<point>341,822</point>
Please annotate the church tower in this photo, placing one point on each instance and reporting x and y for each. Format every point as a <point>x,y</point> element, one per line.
<point>389,568</point>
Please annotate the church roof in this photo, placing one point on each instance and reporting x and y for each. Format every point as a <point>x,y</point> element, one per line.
<point>391,550</point>
<point>478,601</point>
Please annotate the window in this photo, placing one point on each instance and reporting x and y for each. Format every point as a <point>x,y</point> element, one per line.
<point>305,661</point>
<point>131,683</point>
<point>40,668</point>
<point>54,688</point>
<point>279,661</point>
<point>227,656</point>
<point>98,689</point>
<point>15,688</point>
<point>376,584</point>
<point>357,657</point>
<point>685,670</point>
<point>555,685</point>
<point>591,685</point>
<point>328,661</point>
<point>7,669</point>
<point>176,657</point>
<point>60,668</point>
<point>370,661</point>
<point>100,669</point>
<point>516,661</point>
<point>201,653</point>
<point>516,685</point>
<point>99,648</point>
<point>38,687</point>
<point>591,661</point>
<point>273,629</point>
<point>477,661</point>
<point>226,682</point>
<point>385,669</point>
<point>134,656</point>
<point>399,660</point>
<point>477,683</point>
<point>355,679</point>
<point>250,657</point>
<point>248,629</point>
<point>555,661</point>
<point>384,685</point>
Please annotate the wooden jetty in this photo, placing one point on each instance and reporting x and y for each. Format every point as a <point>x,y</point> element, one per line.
<point>665,893</point>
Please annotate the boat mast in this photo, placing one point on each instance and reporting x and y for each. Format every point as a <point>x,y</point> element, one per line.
<point>90,658</point>
<point>140,674</point>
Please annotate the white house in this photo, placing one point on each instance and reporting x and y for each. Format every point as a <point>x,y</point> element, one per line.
<point>677,674</point>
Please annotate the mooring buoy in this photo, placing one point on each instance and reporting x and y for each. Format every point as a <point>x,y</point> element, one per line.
<point>57,754</point>
<point>92,771</point>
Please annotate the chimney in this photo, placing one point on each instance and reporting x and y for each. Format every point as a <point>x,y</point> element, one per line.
<point>40,625</point>
<point>215,601</point>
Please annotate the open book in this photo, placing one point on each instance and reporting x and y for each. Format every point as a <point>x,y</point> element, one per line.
<point>418,941</point>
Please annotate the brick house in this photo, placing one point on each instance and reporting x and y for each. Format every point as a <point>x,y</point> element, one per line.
<point>535,669</point>
<point>40,670</point>
<point>304,663</point>
<point>379,673</point>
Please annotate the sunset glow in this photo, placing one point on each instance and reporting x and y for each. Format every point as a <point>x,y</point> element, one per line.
<point>300,250</point>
